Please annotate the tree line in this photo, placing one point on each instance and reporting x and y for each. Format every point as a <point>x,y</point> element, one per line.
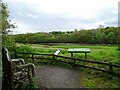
<point>108,35</point>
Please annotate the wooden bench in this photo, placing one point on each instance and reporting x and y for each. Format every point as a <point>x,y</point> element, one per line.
<point>15,72</point>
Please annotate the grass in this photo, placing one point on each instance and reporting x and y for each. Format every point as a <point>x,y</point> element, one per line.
<point>98,82</point>
<point>0,65</point>
<point>91,79</point>
<point>98,53</point>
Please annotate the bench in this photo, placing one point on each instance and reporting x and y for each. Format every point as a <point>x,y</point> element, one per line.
<point>16,73</point>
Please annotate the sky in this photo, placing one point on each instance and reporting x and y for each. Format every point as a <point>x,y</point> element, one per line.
<point>33,16</point>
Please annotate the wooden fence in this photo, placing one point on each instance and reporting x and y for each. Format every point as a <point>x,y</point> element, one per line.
<point>74,60</point>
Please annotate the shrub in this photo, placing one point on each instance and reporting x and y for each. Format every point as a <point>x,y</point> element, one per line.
<point>9,43</point>
<point>24,48</point>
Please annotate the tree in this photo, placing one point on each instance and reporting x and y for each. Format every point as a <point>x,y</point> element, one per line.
<point>94,36</point>
<point>100,37</point>
<point>6,25</point>
<point>6,22</point>
<point>110,38</point>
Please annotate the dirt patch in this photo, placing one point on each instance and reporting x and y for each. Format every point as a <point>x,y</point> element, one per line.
<point>49,76</point>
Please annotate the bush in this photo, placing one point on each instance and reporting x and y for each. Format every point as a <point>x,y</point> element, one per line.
<point>24,48</point>
<point>119,47</point>
<point>9,43</point>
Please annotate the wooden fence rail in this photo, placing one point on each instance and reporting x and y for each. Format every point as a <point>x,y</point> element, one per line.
<point>54,57</point>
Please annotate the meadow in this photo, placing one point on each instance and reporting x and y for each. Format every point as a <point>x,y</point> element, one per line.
<point>103,53</point>
<point>97,52</point>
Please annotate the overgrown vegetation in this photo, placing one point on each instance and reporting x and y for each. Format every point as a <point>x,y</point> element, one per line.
<point>100,80</point>
<point>108,35</point>
<point>24,48</point>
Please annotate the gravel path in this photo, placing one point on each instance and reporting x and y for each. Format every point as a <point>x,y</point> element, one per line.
<point>57,77</point>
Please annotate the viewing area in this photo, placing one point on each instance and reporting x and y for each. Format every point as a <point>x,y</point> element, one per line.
<point>17,73</point>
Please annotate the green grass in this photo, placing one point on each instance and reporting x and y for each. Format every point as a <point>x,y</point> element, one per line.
<point>0,65</point>
<point>98,53</point>
<point>94,81</point>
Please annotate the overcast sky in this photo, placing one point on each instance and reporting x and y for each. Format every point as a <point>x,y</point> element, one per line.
<point>62,15</point>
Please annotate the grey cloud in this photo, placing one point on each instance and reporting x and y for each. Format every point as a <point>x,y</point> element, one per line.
<point>108,15</point>
<point>52,21</point>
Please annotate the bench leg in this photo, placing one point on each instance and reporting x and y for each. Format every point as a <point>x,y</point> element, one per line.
<point>71,54</point>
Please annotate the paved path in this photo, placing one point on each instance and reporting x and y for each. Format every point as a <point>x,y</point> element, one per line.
<point>0,83</point>
<point>57,77</point>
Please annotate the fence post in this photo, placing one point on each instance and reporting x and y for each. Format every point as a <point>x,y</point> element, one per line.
<point>32,57</point>
<point>71,54</point>
<point>110,67</point>
<point>74,62</point>
<point>53,57</point>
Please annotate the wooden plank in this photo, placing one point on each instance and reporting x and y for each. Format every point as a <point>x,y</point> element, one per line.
<point>92,61</point>
<point>97,62</point>
<point>34,53</point>
<point>64,62</point>
<point>99,70</point>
